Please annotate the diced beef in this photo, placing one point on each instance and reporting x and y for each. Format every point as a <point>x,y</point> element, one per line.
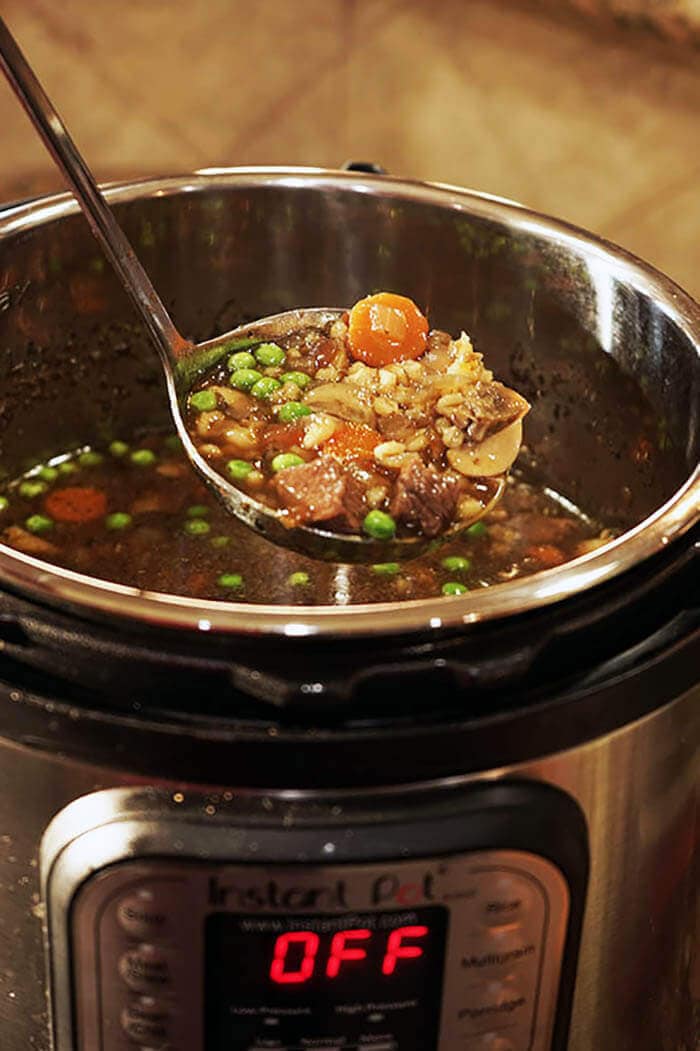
<point>425,497</point>
<point>312,492</point>
<point>491,407</point>
<point>396,427</point>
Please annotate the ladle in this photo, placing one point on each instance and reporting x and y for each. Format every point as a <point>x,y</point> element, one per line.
<point>183,361</point>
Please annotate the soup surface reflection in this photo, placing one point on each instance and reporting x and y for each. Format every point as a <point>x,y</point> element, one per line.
<point>138,515</point>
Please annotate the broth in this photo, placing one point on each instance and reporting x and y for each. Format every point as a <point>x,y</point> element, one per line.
<point>140,516</point>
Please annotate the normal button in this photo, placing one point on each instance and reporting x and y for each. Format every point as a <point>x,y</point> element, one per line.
<point>142,916</point>
<point>147,968</point>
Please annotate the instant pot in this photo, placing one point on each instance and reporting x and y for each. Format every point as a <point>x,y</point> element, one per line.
<point>464,824</point>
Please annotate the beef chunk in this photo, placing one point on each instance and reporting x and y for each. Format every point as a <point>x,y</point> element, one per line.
<point>312,492</point>
<point>425,497</point>
<point>396,427</point>
<point>491,407</point>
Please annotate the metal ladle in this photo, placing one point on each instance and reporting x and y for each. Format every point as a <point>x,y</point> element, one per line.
<point>183,361</point>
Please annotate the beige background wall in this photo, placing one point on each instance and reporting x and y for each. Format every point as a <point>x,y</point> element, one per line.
<point>585,117</point>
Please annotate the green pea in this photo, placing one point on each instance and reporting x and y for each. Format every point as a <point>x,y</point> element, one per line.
<point>196,527</point>
<point>39,524</point>
<point>67,467</point>
<point>242,359</point>
<point>386,569</point>
<point>456,564</point>
<point>379,525</point>
<point>299,579</point>
<point>48,474</point>
<point>220,541</point>
<point>270,354</point>
<point>203,400</point>
<point>477,530</point>
<point>173,442</point>
<point>90,458</point>
<point>118,448</point>
<point>284,460</point>
<point>197,511</point>
<point>453,587</point>
<point>238,469</point>
<point>143,457</point>
<point>30,490</point>
<point>264,388</point>
<point>232,581</point>
<point>244,379</point>
<point>4,503</point>
<point>118,520</point>
<point>292,410</point>
<point>300,378</point>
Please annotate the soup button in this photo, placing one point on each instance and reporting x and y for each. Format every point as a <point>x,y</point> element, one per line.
<point>142,916</point>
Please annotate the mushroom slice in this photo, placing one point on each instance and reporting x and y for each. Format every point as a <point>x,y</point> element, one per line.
<point>492,456</point>
<point>339,399</point>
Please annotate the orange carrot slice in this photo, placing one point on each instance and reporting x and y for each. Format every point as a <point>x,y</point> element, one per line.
<point>76,504</point>
<point>384,328</point>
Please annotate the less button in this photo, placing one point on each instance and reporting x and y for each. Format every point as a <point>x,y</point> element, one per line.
<point>147,968</point>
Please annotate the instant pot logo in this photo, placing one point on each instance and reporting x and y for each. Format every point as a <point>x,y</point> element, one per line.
<point>382,891</point>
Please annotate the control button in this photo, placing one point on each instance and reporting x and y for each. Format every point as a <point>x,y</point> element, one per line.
<point>146,1020</point>
<point>509,900</point>
<point>493,1000</point>
<point>147,968</point>
<point>492,1042</point>
<point>503,949</point>
<point>141,916</point>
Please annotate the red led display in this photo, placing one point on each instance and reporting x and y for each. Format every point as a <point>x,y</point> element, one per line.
<point>296,953</point>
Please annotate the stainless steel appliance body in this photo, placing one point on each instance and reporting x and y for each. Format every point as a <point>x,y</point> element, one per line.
<point>491,801</point>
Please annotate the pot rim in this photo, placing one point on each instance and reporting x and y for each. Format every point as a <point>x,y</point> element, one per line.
<point>669,522</point>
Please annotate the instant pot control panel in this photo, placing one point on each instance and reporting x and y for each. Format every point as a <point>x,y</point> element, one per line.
<point>167,943</point>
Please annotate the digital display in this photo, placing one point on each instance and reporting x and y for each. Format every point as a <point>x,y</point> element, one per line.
<point>361,979</point>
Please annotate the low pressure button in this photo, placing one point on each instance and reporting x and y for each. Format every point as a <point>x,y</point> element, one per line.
<point>147,968</point>
<point>142,916</point>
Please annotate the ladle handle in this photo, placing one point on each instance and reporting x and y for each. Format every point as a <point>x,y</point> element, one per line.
<point>98,213</point>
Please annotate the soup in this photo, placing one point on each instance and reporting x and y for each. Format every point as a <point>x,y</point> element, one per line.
<point>138,515</point>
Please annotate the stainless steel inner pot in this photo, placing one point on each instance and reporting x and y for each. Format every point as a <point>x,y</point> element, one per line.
<point>605,348</point>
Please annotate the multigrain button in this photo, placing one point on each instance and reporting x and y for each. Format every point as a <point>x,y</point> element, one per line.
<point>147,968</point>
<point>142,916</point>
<point>508,901</point>
<point>503,950</point>
<point>146,1021</point>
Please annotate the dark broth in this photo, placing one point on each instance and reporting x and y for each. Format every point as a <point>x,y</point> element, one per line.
<point>161,530</point>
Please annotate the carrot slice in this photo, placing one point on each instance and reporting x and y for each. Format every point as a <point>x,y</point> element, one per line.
<point>384,328</point>
<point>76,504</point>
<point>352,441</point>
<point>546,554</point>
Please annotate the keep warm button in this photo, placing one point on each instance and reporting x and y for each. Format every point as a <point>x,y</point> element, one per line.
<point>488,1004</point>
